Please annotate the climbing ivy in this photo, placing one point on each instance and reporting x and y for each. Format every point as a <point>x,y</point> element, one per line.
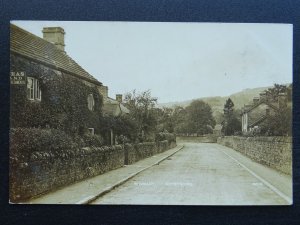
<point>64,100</point>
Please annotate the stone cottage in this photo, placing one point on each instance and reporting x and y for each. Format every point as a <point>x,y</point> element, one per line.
<point>254,115</point>
<point>50,90</point>
<point>112,107</point>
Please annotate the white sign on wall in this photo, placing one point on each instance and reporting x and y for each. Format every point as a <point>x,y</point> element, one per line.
<point>17,78</point>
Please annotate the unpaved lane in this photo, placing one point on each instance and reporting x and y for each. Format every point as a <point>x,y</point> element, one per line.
<point>199,174</point>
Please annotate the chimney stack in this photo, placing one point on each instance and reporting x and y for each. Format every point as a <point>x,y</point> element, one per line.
<point>263,95</point>
<point>255,100</point>
<point>282,99</point>
<point>55,35</point>
<point>104,92</point>
<point>119,98</point>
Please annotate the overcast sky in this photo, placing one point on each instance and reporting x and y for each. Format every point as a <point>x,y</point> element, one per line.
<point>178,61</point>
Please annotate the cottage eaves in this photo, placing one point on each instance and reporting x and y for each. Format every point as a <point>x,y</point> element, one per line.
<point>250,108</point>
<point>33,47</point>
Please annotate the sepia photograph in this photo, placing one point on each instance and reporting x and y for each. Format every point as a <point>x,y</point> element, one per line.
<point>150,113</point>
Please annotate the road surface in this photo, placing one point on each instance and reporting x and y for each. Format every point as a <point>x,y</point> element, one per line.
<point>199,174</point>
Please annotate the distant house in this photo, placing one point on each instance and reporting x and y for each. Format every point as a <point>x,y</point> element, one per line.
<point>254,115</point>
<point>113,107</point>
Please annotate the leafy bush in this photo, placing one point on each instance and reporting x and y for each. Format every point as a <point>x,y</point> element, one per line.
<point>79,141</point>
<point>256,131</point>
<point>165,136</point>
<point>238,133</point>
<point>279,124</point>
<point>92,140</point>
<point>121,125</point>
<point>122,139</point>
<point>25,141</point>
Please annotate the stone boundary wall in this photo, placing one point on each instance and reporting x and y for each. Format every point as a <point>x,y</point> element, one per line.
<point>39,175</point>
<point>136,152</point>
<point>200,139</point>
<point>275,152</point>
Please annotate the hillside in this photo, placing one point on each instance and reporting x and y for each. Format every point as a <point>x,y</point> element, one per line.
<point>217,102</point>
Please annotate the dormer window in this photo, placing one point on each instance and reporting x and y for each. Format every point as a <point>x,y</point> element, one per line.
<point>33,89</point>
<point>91,102</point>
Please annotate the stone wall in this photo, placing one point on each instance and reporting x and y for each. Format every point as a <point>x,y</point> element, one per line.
<point>38,176</point>
<point>210,138</point>
<point>134,153</point>
<point>35,176</point>
<point>275,152</point>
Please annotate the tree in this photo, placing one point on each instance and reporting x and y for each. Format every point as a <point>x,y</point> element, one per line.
<point>228,107</point>
<point>279,123</point>
<point>199,118</point>
<point>165,120</point>
<point>273,93</point>
<point>142,112</point>
<point>231,122</point>
<point>219,117</point>
<point>179,120</point>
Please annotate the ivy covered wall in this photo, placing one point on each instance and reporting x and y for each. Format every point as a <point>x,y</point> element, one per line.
<point>63,102</point>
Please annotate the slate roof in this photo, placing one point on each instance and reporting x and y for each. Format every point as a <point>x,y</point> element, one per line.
<point>250,108</point>
<point>31,46</point>
<point>111,107</point>
<point>258,121</point>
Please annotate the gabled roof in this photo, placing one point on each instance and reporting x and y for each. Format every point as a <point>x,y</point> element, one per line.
<point>124,109</point>
<point>113,107</point>
<point>248,109</point>
<point>31,46</point>
<point>258,121</point>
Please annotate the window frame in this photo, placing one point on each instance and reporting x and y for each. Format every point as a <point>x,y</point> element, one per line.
<point>30,89</point>
<point>91,102</point>
<point>34,90</point>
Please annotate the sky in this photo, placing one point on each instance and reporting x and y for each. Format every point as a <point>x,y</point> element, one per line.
<point>178,61</point>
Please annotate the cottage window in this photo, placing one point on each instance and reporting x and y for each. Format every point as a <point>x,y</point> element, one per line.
<point>33,89</point>
<point>91,102</point>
